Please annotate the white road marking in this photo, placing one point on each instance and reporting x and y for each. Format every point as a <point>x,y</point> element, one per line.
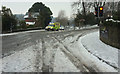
<point>20,32</point>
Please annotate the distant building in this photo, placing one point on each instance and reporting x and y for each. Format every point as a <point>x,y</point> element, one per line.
<point>30,18</point>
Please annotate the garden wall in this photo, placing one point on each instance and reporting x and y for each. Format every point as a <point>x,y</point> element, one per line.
<point>110,33</point>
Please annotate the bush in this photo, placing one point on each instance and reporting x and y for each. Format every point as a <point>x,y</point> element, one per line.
<point>110,23</point>
<point>31,26</point>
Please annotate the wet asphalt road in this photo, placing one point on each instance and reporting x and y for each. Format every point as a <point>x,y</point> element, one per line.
<point>18,42</point>
<point>13,43</point>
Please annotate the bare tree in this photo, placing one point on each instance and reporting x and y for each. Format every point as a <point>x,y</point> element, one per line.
<point>62,18</point>
<point>84,7</point>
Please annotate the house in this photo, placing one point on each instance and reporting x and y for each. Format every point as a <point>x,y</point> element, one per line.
<point>30,18</point>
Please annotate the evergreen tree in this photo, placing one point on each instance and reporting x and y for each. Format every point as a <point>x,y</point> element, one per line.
<point>8,19</point>
<point>44,13</point>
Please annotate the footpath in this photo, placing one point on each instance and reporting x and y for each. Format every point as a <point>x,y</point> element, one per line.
<point>102,51</point>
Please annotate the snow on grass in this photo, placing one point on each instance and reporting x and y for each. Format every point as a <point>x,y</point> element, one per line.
<point>100,49</point>
<point>22,61</point>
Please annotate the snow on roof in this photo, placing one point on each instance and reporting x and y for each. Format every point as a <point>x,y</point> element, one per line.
<point>30,23</point>
<point>26,16</point>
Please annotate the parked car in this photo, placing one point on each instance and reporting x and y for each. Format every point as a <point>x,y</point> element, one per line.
<point>62,28</point>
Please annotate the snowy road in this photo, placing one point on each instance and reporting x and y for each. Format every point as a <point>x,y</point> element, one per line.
<point>44,51</point>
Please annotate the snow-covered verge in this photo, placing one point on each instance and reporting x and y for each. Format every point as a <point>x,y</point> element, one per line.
<point>107,53</point>
<point>88,59</point>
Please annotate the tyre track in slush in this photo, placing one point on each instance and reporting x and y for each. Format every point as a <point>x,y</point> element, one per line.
<point>45,67</point>
<point>38,58</point>
<point>75,60</point>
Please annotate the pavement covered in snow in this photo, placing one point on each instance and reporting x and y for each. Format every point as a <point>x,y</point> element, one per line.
<point>103,51</point>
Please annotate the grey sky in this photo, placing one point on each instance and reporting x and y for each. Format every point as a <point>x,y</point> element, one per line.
<point>22,7</point>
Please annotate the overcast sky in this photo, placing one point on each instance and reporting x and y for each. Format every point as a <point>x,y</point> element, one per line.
<point>22,7</point>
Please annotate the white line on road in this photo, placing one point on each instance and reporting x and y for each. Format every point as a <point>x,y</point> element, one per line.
<point>20,32</point>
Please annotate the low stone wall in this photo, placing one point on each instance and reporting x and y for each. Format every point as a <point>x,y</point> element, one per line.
<point>110,33</point>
